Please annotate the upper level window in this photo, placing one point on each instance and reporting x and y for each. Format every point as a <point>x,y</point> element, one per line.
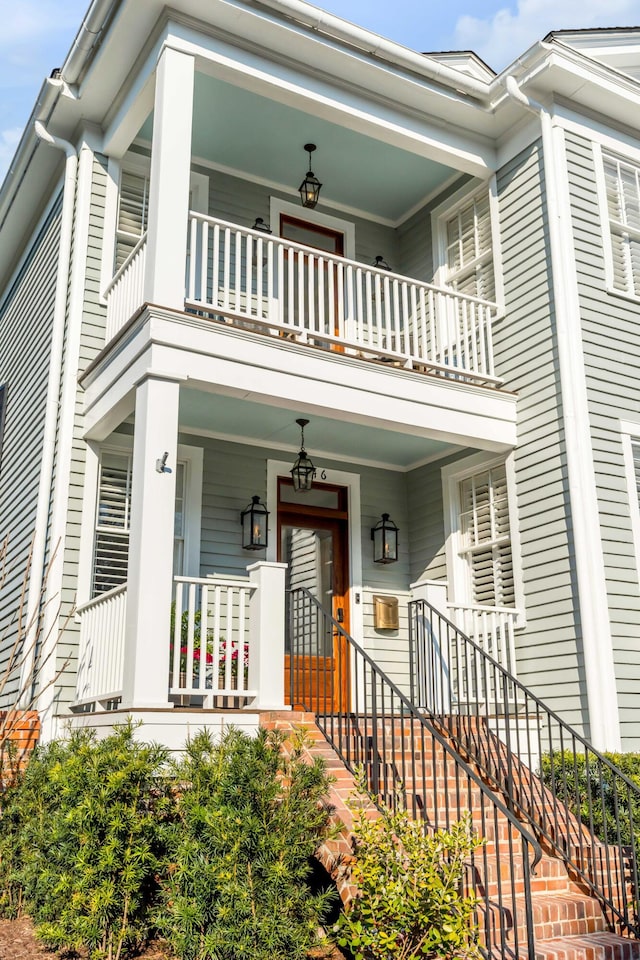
<point>133,214</point>
<point>133,207</point>
<point>622,184</point>
<point>466,246</point>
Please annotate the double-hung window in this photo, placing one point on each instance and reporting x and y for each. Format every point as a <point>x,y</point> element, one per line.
<point>485,537</point>
<point>111,551</point>
<point>466,246</point>
<point>113,518</point>
<point>483,560</point>
<point>622,187</point>
<point>133,213</point>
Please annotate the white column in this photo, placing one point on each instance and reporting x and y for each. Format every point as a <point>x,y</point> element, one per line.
<point>266,635</point>
<point>434,592</point>
<point>169,186</point>
<point>149,590</point>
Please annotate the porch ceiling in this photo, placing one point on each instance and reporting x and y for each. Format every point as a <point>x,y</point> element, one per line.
<point>275,427</point>
<point>257,137</point>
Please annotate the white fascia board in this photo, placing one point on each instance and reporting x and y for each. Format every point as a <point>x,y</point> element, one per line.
<point>211,357</point>
<point>417,132</point>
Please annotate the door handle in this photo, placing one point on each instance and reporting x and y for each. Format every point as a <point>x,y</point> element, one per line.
<point>340,615</point>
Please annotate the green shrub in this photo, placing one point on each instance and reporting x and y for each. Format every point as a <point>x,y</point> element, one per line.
<point>249,820</point>
<point>597,794</point>
<point>91,816</point>
<point>409,902</point>
<point>27,803</point>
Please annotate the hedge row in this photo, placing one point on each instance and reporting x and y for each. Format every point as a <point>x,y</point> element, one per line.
<point>106,843</point>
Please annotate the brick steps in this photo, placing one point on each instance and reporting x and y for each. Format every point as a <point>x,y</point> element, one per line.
<point>569,924</point>
<point>595,946</point>
<point>491,873</point>
<point>554,916</point>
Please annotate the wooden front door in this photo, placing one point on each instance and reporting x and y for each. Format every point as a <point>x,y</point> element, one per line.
<point>313,541</point>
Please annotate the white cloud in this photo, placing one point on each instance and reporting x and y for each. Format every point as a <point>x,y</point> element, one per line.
<point>501,37</point>
<point>8,142</point>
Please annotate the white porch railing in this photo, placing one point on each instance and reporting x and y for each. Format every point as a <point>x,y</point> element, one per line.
<point>313,296</point>
<point>492,628</point>
<point>211,643</point>
<point>125,292</point>
<point>101,651</point>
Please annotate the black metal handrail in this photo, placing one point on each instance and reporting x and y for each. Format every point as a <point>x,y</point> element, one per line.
<point>372,725</point>
<point>574,799</point>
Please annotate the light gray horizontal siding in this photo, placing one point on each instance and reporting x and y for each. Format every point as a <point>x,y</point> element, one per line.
<point>611,344</point>
<point>548,650</point>
<point>26,318</point>
<point>92,336</point>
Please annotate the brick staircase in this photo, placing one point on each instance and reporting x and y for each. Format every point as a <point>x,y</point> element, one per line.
<point>569,923</point>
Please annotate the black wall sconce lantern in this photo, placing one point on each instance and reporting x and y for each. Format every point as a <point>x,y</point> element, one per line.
<point>254,525</point>
<point>381,264</point>
<point>261,226</point>
<point>385,540</point>
<point>310,187</point>
<point>303,470</point>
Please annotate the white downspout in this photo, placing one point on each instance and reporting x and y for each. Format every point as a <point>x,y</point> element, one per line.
<point>36,580</point>
<point>599,671</point>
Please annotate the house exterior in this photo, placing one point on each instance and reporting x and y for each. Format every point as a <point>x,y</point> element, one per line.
<point>455,320</point>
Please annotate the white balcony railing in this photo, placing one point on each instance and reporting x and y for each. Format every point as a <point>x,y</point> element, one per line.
<point>211,643</point>
<point>101,650</point>
<point>125,292</point>
<point>332,301</point>
<point>247,277</point>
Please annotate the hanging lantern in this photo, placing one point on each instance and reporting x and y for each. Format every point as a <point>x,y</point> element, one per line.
<point>254,525</point>
<point>310,187</point>
<point>385,540</point>
<point>303,470</point>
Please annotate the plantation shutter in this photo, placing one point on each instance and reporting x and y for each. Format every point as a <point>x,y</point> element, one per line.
<point>111,553</point>
<point>112,527</point>
<point>622,182</point>
<point>469,249</point>
<point>485,534</point>
<point>133,212</point>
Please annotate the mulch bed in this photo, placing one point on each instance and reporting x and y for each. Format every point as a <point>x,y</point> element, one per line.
<point>18,942</point>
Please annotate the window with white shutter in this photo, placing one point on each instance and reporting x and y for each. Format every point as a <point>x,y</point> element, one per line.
<point>485,537</point>
<point>622,183</point>
<point>468,263</point>
<point>111,553</point>
<point>111,550</point>
<point>133,213</point>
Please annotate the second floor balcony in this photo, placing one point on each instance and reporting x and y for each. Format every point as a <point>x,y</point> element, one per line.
<point>257,281</point>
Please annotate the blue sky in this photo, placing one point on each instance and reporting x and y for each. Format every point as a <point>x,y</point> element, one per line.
<point>35,36</point>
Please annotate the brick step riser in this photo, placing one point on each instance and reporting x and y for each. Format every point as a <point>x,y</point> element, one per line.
<point>553,916</point>
<point>601,946</point>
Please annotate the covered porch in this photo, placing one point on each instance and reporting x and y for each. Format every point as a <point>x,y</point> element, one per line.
<point>190,619</point>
